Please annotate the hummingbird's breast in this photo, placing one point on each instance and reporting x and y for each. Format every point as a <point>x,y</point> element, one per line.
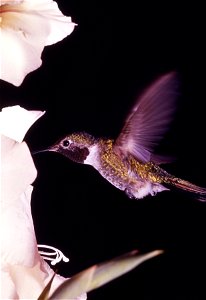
<point>112,167</point>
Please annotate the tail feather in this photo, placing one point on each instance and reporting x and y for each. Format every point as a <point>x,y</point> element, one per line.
<point>189,187</point>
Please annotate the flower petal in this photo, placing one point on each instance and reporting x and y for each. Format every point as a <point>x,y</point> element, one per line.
<point>10,291</point>
<point>20,260</point>
<point>59,25</point>
<point>24,272</point>
<point>19,55</point>
<point>10,2</point>
<point>26,27</point>
<point>16,224</point>
<point>28,282</point>
<point>15,121</point>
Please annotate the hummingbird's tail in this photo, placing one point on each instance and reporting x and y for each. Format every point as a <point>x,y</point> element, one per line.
<point>200,192</point>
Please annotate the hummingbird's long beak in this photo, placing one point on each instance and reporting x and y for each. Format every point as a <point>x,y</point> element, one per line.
<point>52,149</point>
<point>39,151</point>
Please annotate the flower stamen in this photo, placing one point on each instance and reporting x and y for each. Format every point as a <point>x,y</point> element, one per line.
<point>54,260</point>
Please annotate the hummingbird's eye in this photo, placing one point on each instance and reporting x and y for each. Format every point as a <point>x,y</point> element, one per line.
<point>66,143</point>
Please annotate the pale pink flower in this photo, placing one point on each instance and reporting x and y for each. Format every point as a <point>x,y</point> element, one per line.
<point>24,273</point>
<point>26,27</point>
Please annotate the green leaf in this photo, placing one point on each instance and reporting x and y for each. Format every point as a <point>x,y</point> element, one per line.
<point>100,274</point>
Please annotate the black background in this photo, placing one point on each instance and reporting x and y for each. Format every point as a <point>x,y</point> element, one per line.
<point>89,82</point>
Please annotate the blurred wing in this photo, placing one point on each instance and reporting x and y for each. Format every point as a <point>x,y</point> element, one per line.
<point>149,119</point>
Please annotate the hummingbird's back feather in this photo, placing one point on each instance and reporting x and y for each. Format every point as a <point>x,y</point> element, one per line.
<point>149,119</point>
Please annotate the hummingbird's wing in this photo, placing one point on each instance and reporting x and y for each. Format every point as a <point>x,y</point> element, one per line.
<point>149,119</point>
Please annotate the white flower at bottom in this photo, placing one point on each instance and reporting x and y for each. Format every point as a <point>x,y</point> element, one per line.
<point>26,26</point>
<point>24,273</point>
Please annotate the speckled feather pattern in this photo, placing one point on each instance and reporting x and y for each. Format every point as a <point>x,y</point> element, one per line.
<point>128,174</point>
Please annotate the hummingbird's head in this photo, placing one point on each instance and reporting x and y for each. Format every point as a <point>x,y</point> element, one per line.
<point>75,146</point>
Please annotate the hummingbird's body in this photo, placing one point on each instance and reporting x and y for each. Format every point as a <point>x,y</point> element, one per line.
<point>137,179</point>
<point>125,173</point>
<point>128,162</point>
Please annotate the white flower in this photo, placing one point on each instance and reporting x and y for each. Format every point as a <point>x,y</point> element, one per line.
<point>26,26</point>
<point>24,273</point>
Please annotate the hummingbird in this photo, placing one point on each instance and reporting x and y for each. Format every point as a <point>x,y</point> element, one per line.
<point>129,162</point>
